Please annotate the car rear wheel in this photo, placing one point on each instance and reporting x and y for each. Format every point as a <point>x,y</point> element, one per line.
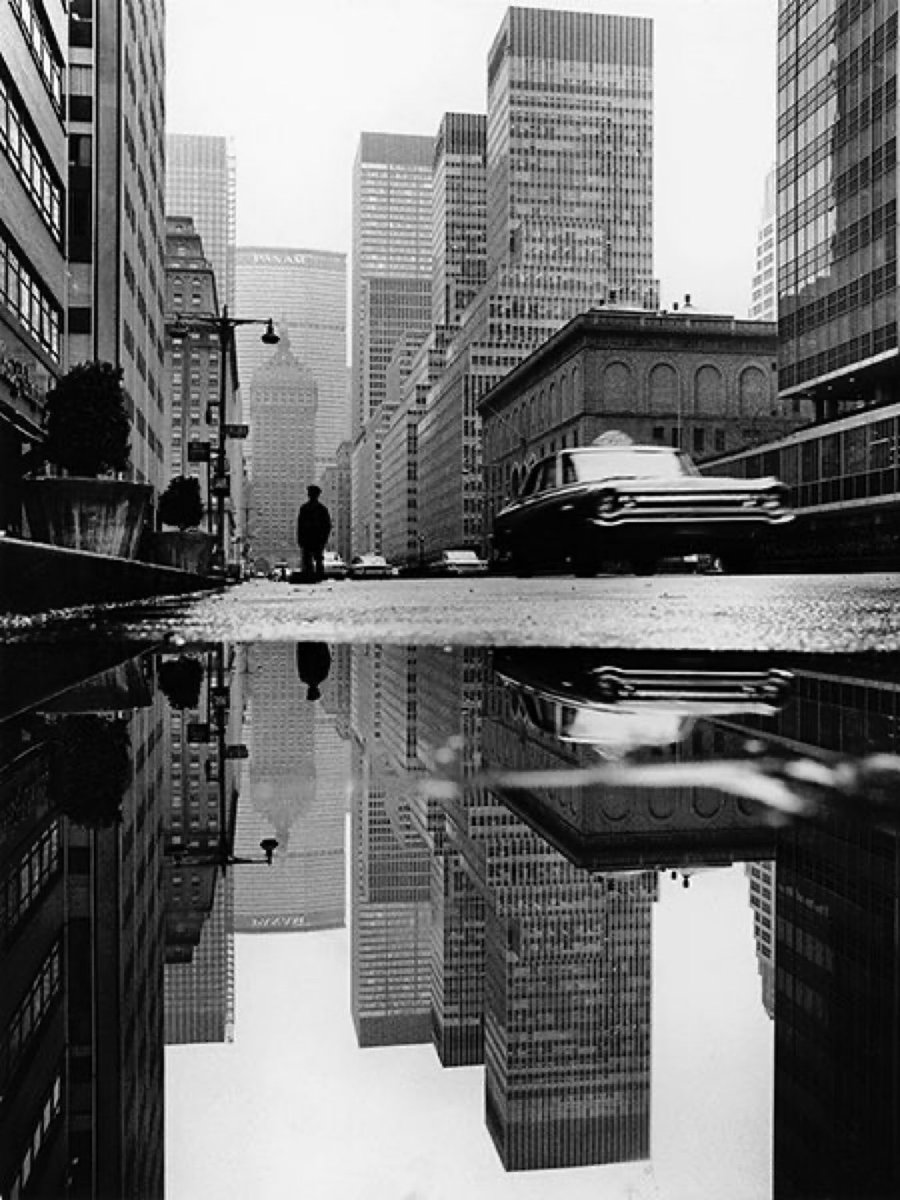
<point>740,562</point>
<point>584,564</point>
<point>644,564</point>
<point>522,564</point>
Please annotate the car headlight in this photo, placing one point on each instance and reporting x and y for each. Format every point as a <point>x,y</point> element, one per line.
<point>607,504</point>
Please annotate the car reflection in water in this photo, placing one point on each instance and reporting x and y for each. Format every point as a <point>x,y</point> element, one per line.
<point>617,710</point>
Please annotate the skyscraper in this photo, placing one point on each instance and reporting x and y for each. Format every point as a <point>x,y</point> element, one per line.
<point>458,216</point>
<point>32,208</point>
<point>569,160</point>
<point>764,293</point>
<point>568,225</point>
<point>305,291</point>
<point>200,183</point>
<point>837,204</point>
<point>116,227</point>
<point>283,397</point>
<point>391,257</point>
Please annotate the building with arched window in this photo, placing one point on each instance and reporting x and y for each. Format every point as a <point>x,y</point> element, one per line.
<point>703,382</point>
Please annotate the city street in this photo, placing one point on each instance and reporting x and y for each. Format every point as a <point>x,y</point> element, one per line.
<point>819,614</point>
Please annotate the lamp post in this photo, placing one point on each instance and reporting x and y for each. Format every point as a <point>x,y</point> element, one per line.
<point>224,327</point>
<point>215,729</point>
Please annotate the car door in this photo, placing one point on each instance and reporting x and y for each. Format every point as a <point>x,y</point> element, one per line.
<point>515,527</point>
<point>545,520</point>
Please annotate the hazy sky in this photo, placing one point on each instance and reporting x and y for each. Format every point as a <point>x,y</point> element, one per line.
<point>293,1108</point>
<point>294,84</point>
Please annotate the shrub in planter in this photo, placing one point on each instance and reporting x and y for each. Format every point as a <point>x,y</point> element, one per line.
<point>181,504</point>
<point>87,436</point>
<point>88,426</point>
<point>90,767</point>
<point>180,680</point>
<point>188,548</point>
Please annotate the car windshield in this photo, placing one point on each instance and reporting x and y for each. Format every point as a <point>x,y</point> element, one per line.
<point>593,465</point>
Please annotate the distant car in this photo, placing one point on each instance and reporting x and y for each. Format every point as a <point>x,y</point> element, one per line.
<point>637,503</point>
<point>370,566</point>
<point>335,567</point>
<point>280,571</point>
<point>459,562</point>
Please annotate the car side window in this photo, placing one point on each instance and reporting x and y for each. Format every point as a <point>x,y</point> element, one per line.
<point>529,487</point>
<point>568,470</point>
<point>548,477</point>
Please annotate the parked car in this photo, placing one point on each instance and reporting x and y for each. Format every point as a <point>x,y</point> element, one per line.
<point>281,571</point>
<point>637,503</point>
<point>459,562</point>
<point>335,567</point>
<point>370,566</point>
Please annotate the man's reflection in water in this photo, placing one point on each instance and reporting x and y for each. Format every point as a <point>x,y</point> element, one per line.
<point>313,665</point>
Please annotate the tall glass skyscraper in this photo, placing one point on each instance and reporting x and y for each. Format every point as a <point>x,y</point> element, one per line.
<point>200,183</point>
<point>570,156</point>
<point>391,257</point>
<point>837,202</point>
<point>305,292</point>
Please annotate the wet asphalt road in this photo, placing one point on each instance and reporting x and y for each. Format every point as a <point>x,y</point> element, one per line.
<point>796,613</point>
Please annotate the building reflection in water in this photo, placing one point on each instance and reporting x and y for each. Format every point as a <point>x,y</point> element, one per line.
<point>82,923</point>
<point>504,916</point>
<point>294,788</point>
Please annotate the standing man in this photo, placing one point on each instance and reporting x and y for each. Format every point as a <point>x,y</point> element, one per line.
<point>313,529</point>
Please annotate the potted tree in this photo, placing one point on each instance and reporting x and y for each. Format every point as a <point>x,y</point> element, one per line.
<point>184,545</point>
<point>90,767</point>
<point>87,439</point>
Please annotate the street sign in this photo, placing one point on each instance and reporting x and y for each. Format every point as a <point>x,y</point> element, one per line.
<point>197,733</point>
<point>237,751</point>
<point>198,451</point>
<point>237,431</point>
<point>221,484</point>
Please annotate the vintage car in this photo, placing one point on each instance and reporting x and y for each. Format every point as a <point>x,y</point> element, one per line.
<point>370,566</point>
<point>459,562</point>
<point>580,507</point>
<point>335,567</point>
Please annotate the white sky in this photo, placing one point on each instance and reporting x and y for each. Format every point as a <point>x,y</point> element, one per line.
<point>294,82</point>
<point>293,1108</point>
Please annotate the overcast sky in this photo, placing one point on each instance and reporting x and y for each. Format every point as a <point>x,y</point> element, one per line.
<point>294,84</point>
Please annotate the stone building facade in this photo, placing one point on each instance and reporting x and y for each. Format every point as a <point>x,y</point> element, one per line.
<point>703,382</point>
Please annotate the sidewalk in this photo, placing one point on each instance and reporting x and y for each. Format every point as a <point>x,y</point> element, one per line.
<point>35,577</point>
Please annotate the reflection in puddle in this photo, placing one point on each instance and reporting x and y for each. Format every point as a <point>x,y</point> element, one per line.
<point>639,897</point>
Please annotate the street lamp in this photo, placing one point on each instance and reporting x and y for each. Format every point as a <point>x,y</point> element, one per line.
<point>223,857</point>
<point>224,327</point>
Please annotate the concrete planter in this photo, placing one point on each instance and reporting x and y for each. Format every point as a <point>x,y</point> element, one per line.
<point>188,550</point>
<point>103,516</point>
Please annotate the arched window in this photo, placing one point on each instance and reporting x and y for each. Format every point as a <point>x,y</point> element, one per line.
<point>754,391</point>
<point>617,388</point>
<point>709,392</point>
<point>553,411</point>
<point>663,389</point>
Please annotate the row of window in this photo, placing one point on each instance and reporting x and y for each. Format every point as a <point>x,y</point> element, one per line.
<point>22,292</point>
<point>22,888</point>
<point>44,989</point>
<point>857,294</point>
<point>28,159</point>
<point>854,350</point>
<point>43,48</point>
<point>50,1111</point>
